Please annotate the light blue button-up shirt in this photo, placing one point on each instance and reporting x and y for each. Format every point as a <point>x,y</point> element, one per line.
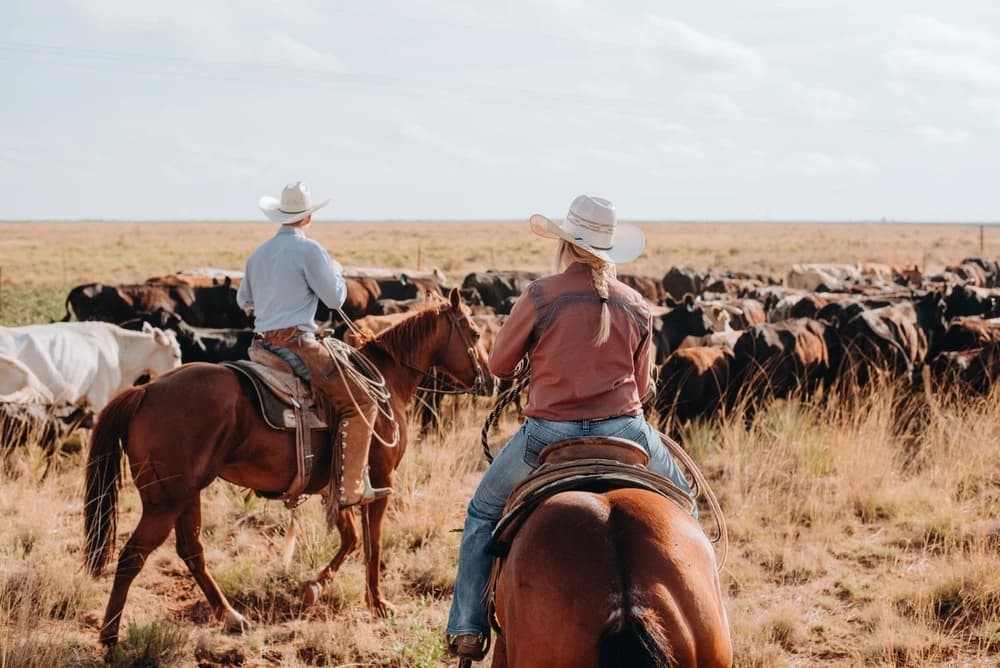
<point>284,280</point>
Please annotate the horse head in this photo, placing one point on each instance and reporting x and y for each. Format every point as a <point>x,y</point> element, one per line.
<point>462,354</point>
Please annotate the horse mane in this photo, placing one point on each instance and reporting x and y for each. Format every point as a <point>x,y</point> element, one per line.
<point>400,339</point>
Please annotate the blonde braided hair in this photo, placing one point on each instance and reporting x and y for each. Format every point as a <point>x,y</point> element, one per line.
<point>600,272</point>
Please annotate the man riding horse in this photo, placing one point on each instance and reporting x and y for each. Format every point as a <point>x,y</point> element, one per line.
<point>284,280</point>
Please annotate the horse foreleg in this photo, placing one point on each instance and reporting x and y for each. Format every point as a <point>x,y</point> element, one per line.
<point>149,534</point>
<point>348,543</point>
<point>189,548</point>
<point>376,515</point>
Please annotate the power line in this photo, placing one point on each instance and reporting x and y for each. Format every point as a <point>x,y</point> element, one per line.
<point>301,76</point>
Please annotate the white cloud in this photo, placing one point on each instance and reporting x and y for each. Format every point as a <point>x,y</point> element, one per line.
<point>293,52</point>
<point>929,49</point>
<point>674,150</point>
<point>233,32</point>
<point>608,89</point>
<point>817,163</point>
<point>966,68</point>
<point>935,134</point>
<point>823,103</point>
<point>987,106</point>
<point>932,33</point>
<point>680,44</point>
<point>424,136</point>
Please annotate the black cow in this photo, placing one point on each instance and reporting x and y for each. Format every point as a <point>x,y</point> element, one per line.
<point>684,319</point>
<point>773,360</point>
<point>679,281</point>
<point>198,344</point>
<point>969,332</point>
<point>497,287</point>
<point>963,372</point>
<point>970,300</point>
<point>202,306</point>
<point>405,287</point>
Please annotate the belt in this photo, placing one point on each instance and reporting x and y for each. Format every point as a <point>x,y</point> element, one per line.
<point>279,337</point>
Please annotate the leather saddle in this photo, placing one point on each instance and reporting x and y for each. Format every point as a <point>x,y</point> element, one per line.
<point>594,464</point>
<point>279,393</point>
<point>285,402</point>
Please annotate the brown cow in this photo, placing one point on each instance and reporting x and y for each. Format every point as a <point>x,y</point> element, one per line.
<point>647,286</point>
<point>692,384</point>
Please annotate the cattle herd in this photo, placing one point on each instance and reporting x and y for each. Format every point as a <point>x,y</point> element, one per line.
<point>724,342</point>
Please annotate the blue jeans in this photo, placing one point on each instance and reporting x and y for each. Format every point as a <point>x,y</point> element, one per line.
<point>514,463</point>
<point>293,360</point>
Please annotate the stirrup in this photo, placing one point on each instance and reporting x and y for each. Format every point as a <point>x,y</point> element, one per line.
<point>468,646</point>
<point>373,493</point>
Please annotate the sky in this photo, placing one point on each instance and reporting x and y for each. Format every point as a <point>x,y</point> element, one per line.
<point>460,109</point>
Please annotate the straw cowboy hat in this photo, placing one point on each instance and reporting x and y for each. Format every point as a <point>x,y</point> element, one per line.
<point>591,225</point>
<point>294,205</point>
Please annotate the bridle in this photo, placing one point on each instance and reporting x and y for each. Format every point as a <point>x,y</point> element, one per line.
<point>455,325</point>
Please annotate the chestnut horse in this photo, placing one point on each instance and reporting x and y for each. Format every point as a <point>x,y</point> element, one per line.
<point>197,423</point>
<point>620,578</point>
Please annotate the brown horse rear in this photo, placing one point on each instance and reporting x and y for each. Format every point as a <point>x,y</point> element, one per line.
<point>623,578</point>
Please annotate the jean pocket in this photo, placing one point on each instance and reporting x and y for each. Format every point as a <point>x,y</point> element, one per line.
<point>633,431</point>
<point>533,449</point>
<point>539,436</point>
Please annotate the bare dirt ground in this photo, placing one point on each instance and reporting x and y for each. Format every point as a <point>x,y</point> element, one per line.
<point>849,547</point>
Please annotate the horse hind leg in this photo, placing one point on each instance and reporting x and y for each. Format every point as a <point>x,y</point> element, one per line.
<point>373,567</point>
<point>348,543</point>
<point>190,550</point>
<point>149,534</point>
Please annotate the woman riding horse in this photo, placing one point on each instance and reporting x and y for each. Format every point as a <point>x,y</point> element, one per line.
<point>587,337</point>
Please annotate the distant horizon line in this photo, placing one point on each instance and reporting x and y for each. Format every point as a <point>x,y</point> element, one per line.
<point>507,221</point>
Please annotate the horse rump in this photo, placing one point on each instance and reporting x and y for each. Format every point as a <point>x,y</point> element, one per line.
<point>635,640</point>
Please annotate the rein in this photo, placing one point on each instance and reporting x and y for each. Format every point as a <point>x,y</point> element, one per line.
<point>432,375</point>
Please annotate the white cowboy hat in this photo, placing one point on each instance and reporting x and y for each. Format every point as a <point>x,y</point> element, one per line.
<point>294,205</point>
<point>591,225</point>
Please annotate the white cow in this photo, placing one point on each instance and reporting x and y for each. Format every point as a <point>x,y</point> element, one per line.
<point>87,363</point>
<point>19,385</point>
<point>811,276</point>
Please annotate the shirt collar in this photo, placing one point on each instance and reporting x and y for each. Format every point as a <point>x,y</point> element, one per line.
<point>289,230</point>
<point>578,268</point>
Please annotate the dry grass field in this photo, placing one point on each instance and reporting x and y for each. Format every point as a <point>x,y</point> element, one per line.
<point>849,547</point>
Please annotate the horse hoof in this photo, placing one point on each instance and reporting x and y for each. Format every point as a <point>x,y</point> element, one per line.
<point>383,608</point>
<point>235,623</point>
<point>310,594</point>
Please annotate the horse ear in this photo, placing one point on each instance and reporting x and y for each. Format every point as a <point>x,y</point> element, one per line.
<point>455,297</point>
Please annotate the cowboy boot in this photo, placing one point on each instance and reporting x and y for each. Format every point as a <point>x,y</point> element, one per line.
<point>352,443</point>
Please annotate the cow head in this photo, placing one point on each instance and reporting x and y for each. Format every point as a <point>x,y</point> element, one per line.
<point>166,352</point>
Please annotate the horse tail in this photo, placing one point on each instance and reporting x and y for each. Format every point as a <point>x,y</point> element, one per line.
<point>635,639</point>
<point>104,476</point>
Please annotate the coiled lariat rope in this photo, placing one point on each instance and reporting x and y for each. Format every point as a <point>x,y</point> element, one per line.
<point>368,377</point>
